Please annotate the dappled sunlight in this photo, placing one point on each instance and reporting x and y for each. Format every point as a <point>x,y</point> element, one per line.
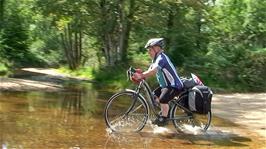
<point>24,85</point>
<point>44,71</point>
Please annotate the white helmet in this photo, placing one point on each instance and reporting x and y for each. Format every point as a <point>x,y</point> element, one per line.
<point>155,42</point>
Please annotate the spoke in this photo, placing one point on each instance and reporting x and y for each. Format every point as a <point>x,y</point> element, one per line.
<point>136,108</point>
<point>116,119</point>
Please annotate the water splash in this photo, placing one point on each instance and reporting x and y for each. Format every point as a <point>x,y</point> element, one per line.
<point>4,146</point>
<point>192,130</point>
<point>108,130</point>
<point>195,130</point>
<point>129,123</point>
<point>157,129</point>
<point>160,130</point>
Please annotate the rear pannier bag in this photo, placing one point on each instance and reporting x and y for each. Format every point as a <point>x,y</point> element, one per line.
<point>199,99</point>
<point>188,83</point>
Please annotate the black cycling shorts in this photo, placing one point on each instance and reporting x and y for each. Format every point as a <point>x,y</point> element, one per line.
<point>165,94</point>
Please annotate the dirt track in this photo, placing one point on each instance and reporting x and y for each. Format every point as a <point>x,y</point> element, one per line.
<point>13,84</point>
<point>37,79</point>
<point>248,110</point>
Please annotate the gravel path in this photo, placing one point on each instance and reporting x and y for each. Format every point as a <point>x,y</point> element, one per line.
<point>248,110</point>
<point>37,79</point>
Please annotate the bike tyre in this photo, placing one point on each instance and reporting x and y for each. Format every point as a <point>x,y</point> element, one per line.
<point>197,120</point>
<point>118,105</point>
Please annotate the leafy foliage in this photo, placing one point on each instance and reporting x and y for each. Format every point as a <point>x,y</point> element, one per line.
<point>15,38</point>
<point>223,41</point>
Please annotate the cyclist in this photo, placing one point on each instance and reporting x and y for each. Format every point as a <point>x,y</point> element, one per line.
<point>169,82</point>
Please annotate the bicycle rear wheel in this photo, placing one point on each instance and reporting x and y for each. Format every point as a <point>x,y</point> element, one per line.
<point>126,112</point>
<point>186,120</point>
<point>202,121</point>
<point>181,120</point>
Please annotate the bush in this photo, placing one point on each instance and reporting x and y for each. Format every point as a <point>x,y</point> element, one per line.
<point>3,69</point>
<point>242,71</point>
<point>253,72</point>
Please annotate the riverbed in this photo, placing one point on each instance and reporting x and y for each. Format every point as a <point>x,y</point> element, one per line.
<point>70,115</point>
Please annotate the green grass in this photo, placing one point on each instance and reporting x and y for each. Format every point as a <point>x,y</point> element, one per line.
<point>113,77</point>
<point>3,70</point>
<point>110,77</point>
<point>82,72</point>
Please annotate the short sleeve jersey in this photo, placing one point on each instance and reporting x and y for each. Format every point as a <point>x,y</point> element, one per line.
<point>166,73</point>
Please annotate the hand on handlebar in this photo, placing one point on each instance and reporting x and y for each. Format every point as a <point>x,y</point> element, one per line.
<point>135,75</point>
<point>138,76</point>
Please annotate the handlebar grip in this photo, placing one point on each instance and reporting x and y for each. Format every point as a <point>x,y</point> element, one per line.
<point>133,70</point>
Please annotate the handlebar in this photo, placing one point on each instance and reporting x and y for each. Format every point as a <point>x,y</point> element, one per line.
<point>130,73</point>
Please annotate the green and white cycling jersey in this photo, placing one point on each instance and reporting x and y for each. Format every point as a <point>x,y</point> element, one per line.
<point>166,73</point>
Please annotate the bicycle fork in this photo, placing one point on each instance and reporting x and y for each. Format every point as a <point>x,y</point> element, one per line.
<point>135,98</point>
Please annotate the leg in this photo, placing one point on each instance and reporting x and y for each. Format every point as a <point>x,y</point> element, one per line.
<point>165,109</point>
<point>166,95</point>
<point>156,93</point>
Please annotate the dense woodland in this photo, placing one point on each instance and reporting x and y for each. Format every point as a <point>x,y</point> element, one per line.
<point>223,41</point>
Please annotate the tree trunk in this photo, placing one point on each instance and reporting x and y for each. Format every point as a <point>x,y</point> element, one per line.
<point>170,24</point>
<point>65,47</point>
<point>126,28</point>
<point>80,46</point>
<point>72,44</point>
<point>2,10</point>
<point>104,32</point>
<point>115,35</point>
<point>199,24</point>
<point>112,50</point>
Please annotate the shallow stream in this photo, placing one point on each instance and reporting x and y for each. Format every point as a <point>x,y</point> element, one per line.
<point>73,119</point>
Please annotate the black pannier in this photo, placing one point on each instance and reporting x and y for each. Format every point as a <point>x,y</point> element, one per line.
<point>199,99</point>
<point>188,83</point>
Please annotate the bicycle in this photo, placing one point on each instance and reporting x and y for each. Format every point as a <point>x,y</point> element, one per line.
<point>129,111</point>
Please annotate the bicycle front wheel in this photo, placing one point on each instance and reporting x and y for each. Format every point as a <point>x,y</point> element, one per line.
<point>126,112</point>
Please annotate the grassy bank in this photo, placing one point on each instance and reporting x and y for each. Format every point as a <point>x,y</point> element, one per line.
<point>3,70</point>
<point>115,78</point>
<point>222,79</point>
<point>107,77</point>
<point>82,72</point>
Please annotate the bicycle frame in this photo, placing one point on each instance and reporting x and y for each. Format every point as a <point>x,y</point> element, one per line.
<point>181,107</point>
<point>144,84</point>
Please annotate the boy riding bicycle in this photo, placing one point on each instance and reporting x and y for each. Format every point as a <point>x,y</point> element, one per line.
<point>170,84</point>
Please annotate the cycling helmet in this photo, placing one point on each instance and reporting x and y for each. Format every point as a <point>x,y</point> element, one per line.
<point>155,42</point>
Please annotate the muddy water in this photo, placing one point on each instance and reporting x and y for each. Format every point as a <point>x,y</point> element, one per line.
<point>74,120</point>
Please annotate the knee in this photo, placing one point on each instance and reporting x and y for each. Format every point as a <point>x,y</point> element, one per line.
<point>164,101</point>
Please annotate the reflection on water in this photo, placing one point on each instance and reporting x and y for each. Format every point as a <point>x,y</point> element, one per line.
<point>74,120</point>
<point>49,120</point>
